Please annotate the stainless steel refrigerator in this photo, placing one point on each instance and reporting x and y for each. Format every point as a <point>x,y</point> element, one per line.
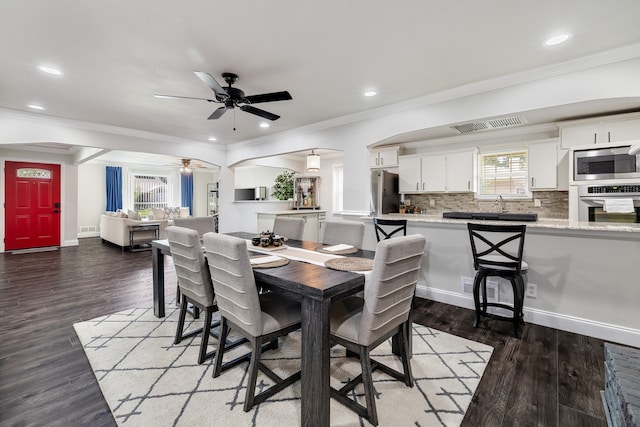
<point>384,192</point>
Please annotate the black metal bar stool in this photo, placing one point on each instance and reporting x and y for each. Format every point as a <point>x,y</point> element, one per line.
<point>497,251</point>
<point>386,228</point>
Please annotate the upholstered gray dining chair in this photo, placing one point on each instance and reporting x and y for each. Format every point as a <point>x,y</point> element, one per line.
<point>292,228</point>
<point>260,318</point>
<point>194,282</point>
<point>362,324</point>
<point>346,232</point>
<point>202,224</point>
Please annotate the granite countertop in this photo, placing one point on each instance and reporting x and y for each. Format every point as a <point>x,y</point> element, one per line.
<point>542,223</point>
<point>292,211</point>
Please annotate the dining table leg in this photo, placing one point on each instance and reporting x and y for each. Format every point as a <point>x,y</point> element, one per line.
<point>157,258</point>
<point>315,363</point>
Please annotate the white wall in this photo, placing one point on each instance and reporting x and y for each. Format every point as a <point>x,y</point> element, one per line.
<point>92,198</point>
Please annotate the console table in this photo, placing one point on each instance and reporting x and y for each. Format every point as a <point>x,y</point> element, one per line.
<point>141,236</point>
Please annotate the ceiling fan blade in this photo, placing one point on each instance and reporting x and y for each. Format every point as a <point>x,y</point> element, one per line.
<point>269,97</point>
<point>258,112</point>
<point>218,113</point>
<point>212,83</point>
<point>182,97</point>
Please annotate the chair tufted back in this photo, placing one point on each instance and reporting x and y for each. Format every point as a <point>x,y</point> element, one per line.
<point>349,233</point>
<point>293,228</point>
<point>190,264</point>
<point>390,289</point>
<point>233,281</point>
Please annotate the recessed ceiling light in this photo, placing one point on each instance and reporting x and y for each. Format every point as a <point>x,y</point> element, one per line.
<point>370,93</point>
<point>560,38</point>
<point>36,107</point>
<point>264,125</point>
<point>213,138</point>
<point>50,70</point>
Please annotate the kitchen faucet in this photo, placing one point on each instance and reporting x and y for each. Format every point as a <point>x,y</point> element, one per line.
<point>500,204</point>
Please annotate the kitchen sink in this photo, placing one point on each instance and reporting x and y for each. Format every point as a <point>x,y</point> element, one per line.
<point>492,216</point>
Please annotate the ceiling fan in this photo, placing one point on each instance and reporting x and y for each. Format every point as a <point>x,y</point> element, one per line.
<point>187,165</point>
<point>233,97</point>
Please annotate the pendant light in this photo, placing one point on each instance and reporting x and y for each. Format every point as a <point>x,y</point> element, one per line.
<point>313,162</point>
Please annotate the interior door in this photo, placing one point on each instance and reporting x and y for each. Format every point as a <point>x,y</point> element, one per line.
<point>32,205</point>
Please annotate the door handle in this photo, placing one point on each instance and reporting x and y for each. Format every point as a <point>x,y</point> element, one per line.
<point>56,205</point>
<point>56,211</point>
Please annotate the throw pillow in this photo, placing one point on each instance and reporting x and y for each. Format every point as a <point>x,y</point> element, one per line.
<point>172,213</point>
<point>133,215</point>
<point>111,213</point>
<point>121,214</point>
<point>184,212</point>
<point>158,213</point>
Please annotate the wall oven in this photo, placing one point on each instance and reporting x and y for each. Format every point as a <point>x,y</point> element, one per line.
<point>609,203</point>
<point>605,163</point>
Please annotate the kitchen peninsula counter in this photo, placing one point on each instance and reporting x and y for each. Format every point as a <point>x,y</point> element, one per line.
<point>539,226</point>
<point>587,275</point>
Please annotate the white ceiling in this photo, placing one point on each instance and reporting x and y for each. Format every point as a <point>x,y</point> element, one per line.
<point>116,54</point>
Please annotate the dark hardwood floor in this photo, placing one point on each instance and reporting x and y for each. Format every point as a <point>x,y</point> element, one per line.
<point>547,378</point>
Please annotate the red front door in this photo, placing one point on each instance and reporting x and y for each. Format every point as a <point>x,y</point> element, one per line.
<point>32,205</point>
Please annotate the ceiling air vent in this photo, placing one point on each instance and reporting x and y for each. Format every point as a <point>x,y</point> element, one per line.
<point>503,122</point>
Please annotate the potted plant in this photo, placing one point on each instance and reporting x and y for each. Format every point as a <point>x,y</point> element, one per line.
<point>283,186</point>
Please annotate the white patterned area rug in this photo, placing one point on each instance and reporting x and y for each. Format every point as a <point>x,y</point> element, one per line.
<point>148,381</point>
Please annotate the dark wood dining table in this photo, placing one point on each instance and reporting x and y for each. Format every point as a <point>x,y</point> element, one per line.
<point>316,286</point>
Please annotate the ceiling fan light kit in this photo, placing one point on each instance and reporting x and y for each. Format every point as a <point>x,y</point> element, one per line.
<point>233,97</point>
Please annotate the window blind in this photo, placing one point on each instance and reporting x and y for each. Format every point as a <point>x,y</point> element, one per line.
<point>149,191</point>
<point>504,174</point>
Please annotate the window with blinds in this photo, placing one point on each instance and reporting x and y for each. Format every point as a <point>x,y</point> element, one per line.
<point>503,174</point>
<point>149,191</point>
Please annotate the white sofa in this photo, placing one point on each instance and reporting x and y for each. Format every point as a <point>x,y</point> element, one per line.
<point>115,229</point>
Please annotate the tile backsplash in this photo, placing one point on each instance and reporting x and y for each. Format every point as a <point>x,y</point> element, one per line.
<point>553,204</point>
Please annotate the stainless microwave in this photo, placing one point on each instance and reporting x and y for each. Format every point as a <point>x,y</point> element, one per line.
<point>605,163</point>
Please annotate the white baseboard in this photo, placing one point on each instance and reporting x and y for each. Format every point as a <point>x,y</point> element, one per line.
<point>592,328</point>
<point>82,235</point>
<point>73,242</point>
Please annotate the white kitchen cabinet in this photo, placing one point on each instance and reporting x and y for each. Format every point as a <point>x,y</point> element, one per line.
<point>436,173</point>
<point>433,171</point>
<point>383,158</point>
<point>410,174</point>
<point>543,166</point>
<point>459,171</point>
<point>581,135</point>
<point>622,127</point>
<point>623,130</point>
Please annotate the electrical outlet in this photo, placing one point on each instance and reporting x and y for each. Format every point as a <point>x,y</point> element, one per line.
<point>432,202</point>
<point>537,203</point>
<point>532,290</point>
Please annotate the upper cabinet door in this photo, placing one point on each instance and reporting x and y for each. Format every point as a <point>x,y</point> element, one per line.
<point>389,157</point>
<point>543,166</point>
<point>384,158</point>
<point>624,130</point>
<point>581,135</point>
<point>460,171</point>
<point>434,176</point>
<point>410,180</point>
